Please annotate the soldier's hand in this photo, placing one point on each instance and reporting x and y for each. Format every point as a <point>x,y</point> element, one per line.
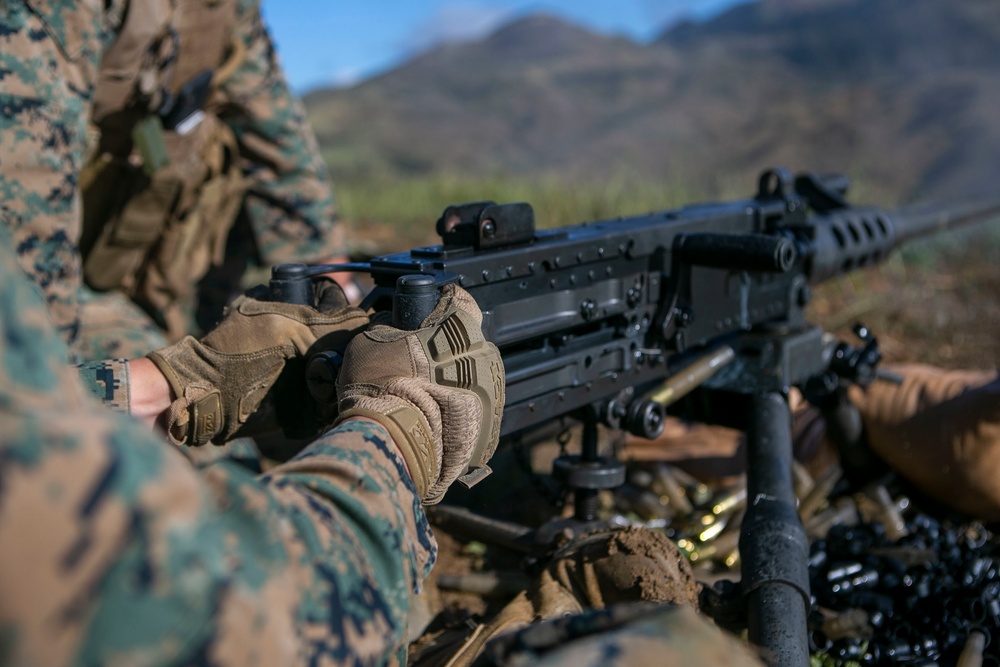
<point>439,391</point>
<point>247,376</point>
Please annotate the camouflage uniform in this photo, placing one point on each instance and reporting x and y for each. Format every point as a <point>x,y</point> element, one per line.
<point>117,551</point>
<point>49,56</point>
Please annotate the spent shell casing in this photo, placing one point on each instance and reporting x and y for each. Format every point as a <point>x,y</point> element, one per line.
<point>892,519</point>
<point>820,491</point>
<point>852,623</point>
<point>735,499</point>
<point>674,491</point>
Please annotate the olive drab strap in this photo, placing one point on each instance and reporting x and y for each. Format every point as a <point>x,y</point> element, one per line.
<point>237,54</point>
<point>164,186</point>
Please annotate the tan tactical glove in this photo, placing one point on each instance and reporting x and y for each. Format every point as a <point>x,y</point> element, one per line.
<point>939,429</point>
<point>258,351</point>
<point>439,391</point>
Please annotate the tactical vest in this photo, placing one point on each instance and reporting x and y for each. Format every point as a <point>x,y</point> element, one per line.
<point>163,186</point>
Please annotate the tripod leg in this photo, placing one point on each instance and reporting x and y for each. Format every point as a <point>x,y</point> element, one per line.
<point>773,544</point>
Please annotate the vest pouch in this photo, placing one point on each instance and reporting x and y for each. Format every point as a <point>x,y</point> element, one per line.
<point>194,237</point>
<point>125,212</point>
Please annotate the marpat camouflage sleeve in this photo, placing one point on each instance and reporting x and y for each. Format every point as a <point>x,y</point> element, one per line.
<point>117,551</point>
<point>289,200</point>
<point>48,62</point>
<point>108,382</point>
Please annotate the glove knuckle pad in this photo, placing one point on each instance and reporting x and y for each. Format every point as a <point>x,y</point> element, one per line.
<point>449,373</point>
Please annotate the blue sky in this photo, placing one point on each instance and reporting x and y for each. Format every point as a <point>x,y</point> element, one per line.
<point>324,42</point>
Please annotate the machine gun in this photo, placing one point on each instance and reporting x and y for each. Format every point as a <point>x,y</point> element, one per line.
<point>700,311</point>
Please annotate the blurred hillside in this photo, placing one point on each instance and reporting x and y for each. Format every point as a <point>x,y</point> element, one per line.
<point>901,95</point>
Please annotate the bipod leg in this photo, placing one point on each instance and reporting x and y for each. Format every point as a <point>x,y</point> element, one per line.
<point>774,548</point>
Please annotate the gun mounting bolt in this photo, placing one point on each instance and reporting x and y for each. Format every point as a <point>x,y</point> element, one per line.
<point>683,317</point>
<point>489,229</point>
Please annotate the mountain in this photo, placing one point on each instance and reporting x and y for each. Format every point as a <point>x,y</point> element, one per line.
<point>902,95</point>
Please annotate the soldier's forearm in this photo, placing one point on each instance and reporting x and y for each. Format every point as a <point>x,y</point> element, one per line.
<point>357,468</point>
<point>222,556</point>
<point>149,392</point>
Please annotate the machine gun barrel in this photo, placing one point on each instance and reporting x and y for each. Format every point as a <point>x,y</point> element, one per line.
<point>849,238</point>
<point>924,219</point>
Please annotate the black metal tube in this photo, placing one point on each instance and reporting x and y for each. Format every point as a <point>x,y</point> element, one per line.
<point>585,501</point>
<point>773,545</point>
<point>922,219</point>
<point>746,252</point>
